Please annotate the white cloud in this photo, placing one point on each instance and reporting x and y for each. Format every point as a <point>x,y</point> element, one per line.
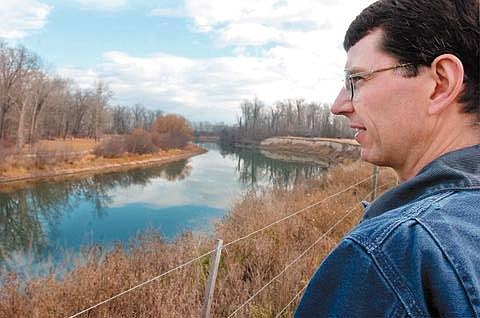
<point>218,15</point>
<point>83,78</point>
<point>206,86</point>
<point>249,34</point>
<point>169,12</point>
<point>283,49</point>
<point>20,17</point>
<point>106,5</point>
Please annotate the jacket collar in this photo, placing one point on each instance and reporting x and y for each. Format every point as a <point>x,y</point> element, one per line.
<point>455,170</point>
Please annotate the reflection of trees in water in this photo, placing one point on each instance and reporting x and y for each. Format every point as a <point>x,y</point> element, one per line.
<point>18,225</point>
<point>27,216</point>
<point>255,167</point>
<point>176,171</point>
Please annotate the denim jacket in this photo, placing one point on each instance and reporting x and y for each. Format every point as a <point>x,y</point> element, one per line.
<point>416,253</point>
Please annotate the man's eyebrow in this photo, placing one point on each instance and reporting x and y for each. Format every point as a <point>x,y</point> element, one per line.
<point>353,70</point>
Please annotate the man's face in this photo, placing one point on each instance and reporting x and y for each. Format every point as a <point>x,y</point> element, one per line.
<point>387,110</point>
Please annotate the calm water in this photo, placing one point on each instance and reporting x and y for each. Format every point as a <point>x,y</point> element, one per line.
<point>49,219</point>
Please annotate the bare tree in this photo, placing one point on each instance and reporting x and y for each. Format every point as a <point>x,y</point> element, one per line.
<point>122,121</point>
<point>288,117</point>
<point>139,116</point>
<point>99,102</point>
<point>34,104</point>
<point>23,93</point>
<point>41,88</point>
<point>82,101</point>
<point>15,65</point>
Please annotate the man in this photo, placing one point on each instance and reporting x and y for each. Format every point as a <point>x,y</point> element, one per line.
<point>412,95</point>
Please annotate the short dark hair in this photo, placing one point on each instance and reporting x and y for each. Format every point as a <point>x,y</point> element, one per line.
<point>418,31</point>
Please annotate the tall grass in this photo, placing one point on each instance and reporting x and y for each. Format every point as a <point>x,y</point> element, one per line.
<point>41,156</point>
<point>245,266</point>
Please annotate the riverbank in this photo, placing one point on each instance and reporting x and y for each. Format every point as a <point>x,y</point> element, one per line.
<point>245,266</point>
<point>322,151</point>
<point>85,163</point>
<point>207,138</point>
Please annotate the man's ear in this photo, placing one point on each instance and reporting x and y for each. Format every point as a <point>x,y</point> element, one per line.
<point>447,72</point>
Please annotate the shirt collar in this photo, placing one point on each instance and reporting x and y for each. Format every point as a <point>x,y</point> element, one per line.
<point>455,170</point>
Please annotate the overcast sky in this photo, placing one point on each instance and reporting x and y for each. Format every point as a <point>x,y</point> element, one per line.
<point>198,58</point>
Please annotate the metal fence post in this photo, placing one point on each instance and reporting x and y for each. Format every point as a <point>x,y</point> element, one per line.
<point>212,276</point>
<point>374,182</point>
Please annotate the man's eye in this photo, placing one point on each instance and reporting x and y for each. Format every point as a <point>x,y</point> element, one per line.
<point>355,79</point>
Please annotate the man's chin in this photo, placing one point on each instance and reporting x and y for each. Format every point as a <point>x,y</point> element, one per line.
<point>367,156</point>
<point>364,154</point>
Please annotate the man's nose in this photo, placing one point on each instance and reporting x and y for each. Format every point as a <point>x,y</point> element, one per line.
<point>342,104</point>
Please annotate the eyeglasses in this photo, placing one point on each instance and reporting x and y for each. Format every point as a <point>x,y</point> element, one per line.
<point>352,79</point>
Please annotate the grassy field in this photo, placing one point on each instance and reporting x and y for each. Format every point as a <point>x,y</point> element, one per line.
<point>245,266</point>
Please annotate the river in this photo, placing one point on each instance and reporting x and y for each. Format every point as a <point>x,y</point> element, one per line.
<point>49,220</point>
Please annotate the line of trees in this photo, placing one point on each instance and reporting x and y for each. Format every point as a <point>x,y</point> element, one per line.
<point>291,117</point>
<point>206,128</point>
<point>35,104</point>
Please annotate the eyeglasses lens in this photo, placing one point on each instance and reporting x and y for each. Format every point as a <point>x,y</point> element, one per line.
<point>349,88</point>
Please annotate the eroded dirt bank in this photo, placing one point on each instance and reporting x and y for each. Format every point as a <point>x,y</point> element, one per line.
<point>325,151</point>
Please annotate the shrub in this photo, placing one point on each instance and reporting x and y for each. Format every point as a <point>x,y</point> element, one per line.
<point>112,147</point>
<point>171,131</point>
<point>170,140</point>
<point>140,142</point>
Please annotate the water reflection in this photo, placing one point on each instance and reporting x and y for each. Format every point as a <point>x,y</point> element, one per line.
<point>254,167</point>
<point>29,218</point>
<point>50,217</point>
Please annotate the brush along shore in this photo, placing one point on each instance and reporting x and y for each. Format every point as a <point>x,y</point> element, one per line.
<point>245,266</point>
<point>20,170</point>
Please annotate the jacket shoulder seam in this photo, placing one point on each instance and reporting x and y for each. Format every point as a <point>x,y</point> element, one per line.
<point>371,244</point>
<point>393,279</point>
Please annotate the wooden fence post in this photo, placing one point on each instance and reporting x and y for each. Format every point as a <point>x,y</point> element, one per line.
<point>374,182</point>
<point>212,276</point>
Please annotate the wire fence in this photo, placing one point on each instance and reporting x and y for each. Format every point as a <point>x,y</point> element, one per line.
<point>292,262</point>
<point>296,212</point>
<point>288,216</point>
<point>305,286</point>
<point>142,284</point>
<point>299,257</point>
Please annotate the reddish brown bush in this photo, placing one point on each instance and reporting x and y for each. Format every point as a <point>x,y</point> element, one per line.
<point>170,140</point>
<point>171,131</point>
<point>112,147</point>
<point>140,142</point>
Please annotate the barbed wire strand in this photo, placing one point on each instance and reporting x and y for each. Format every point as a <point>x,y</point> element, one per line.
<point>292,300</point>
<point>295,213</point>
<point>386,185</point>
<point>142,284</point>
<point>211,251</point>
<point>305,286</point>
<point>294,261</point>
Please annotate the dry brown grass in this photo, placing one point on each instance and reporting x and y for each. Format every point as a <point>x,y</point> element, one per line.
<point>245,266</point>
<point>74,144</point>
<point>50,158</point>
